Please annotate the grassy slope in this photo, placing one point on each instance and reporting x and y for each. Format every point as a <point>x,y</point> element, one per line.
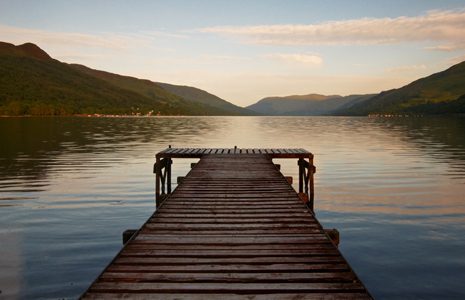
<point>201,96</point>
<point>291,105</point>
<point>427,95</point>
<point>31,82</point>
<point>151,90</point>
<point>312,104</point>
<point>39,87</point>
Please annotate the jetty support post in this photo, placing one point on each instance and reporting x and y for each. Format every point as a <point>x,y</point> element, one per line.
<point>162,170</point>
<point>306,179</point>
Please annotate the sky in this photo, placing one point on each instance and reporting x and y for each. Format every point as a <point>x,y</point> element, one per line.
<point>243,51</point>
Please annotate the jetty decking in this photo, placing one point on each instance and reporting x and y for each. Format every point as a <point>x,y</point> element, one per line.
<point>234,228</point>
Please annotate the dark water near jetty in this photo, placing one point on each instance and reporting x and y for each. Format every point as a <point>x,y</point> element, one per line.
<point>395,189</point>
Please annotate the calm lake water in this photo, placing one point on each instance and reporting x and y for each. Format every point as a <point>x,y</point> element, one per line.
<point>395,189</point>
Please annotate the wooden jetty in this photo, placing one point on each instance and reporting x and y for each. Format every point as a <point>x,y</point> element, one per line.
<point>234,228</point>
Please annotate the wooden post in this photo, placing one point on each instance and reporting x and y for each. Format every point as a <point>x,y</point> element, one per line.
<point>157,170</point>
<point>306,181</point>
<point>127,235</point>
<point>289,179</point>
<point>311,171</point>
<point>168,174</point>
<point>301,175</point>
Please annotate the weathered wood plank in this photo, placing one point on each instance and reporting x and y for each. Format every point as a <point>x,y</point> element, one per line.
<point>229,296</point>
<point>246,152</point>
<point>263,247</point>
<point>227,260</point>
<point>222,287</point>
<point>225,232</point>
<point>232,197</point>
<point>255,203</point>
<point>233,216</point>
<point>225,226</point>
<point>232,268</point>
<point>324,251</point>
<point>233,239</point>
<point>277,277</point>
<point>234,212</point>
<point>225,221</point>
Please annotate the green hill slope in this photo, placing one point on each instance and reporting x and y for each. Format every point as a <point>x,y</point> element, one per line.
<point>201,96</point>
<point>430,95</point>
<point>152,90</point>
<point>304,105</point>
<point>32,83</point>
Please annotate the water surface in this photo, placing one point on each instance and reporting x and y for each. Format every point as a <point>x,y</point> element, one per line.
<point>394,188</point>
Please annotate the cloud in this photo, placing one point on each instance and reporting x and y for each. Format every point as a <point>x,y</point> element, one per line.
<point>70,39</point>
<point>447,48</point>
<point>434,26</point>
<point>406,69</point>
<point>308,59</point>
<point>163,34</point>
<point>456,60</point>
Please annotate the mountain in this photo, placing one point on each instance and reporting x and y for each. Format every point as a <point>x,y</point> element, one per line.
<point>199,100</point>
<point>33,83</point>
<point>305,105</point>
<point>24,50</point>
<point>201,96</point>
<point>439,93</point>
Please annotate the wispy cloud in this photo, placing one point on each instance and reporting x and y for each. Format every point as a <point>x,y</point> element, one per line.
<point>103,40</point>
<point>456,60</point>
<point>307,59</point>
<point>406,69</point>
<point>436,26</point>
<point>163,34</point>
<point>448,48</point>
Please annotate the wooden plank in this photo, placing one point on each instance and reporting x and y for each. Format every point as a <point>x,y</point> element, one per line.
<point>228,253</point>
<point>229,211</point>
<point>245,194</point>
<point>228,296</point>
<point>232,268</point>
<point>222,287</point>
<point>234,216</point>
<point>181,226</point>
<point>229,277</point>
<point>175,150</point>
<point>302,247</point>
<point>273,153</point>
<point>231,221</point>
<point>224,232</point>
<point>228,260</point>
<point>225,240</point>
<point>226,206</point>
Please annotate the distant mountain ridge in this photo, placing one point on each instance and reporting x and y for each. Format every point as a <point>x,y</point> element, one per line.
<point>33,83</point>
<point>305,105</point>
<point>439,93</point>
<point>27,49</point>
<point>201,96</point>
<point>433,94</point>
